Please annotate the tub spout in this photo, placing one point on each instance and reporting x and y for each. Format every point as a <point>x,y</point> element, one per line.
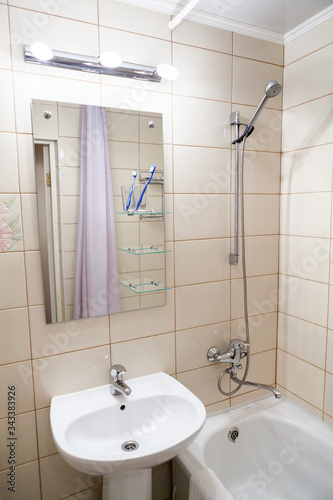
<point>276,393</point>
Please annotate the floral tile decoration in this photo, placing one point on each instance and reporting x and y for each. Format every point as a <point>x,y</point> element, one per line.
<point>10,223</point>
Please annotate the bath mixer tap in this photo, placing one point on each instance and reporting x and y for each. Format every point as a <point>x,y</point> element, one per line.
<point>238,349</point>
<point>276,392</point>
<point>117,385</point>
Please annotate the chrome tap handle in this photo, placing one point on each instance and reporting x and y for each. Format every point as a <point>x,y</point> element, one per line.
<point>117,371</point>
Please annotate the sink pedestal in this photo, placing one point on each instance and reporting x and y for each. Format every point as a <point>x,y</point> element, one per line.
<point>135,484</point>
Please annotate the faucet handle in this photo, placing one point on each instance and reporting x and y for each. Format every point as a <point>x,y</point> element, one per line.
<point>117,370</point>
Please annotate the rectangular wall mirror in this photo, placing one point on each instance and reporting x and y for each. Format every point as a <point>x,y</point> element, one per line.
<point>101,226</point>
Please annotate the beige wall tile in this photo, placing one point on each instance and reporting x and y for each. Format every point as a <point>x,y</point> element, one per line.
<point>297,170</point>
<point>263,330</point>
<point>145,356</point>
<point>12,279</point>
<point>34,278</point>
<point>328,405</point>
<point>59,480</point>
<point>26,444</point>
<point>70,372</point>
<point>305,257</point>
<point>69,151</point>
<point>30,222</point>
<point>194,216</point>
<point>27,482</point>
<point>26,163</point>
<point>7,123</point>
<point>304,299</point>
<point>147,22</point>
<point>14,336</point>
<point>200,261</point>
<point>261,256</point>
<point>301,378</point>
<point>304,85</point>
<point>262,295</point>
<point>133,325</point>
<point>203,383</point>
<point>9,170</point>
<point>253,48</point>
<point>200,122</point>
<point>192,345</point>
<point>68,336</point>
<point>46,444</point>
<point>204,304</point>
<point>329,359</point>
<point>306,214</point>
<point>248,396</point>
<point>83,10</point>
<point>302,339</point>
<point>201,170</point>
<point>200,35</point>
<point>5,57</point>
<point>262,172</point>
<point>195,65</point>
<point>215,407</point>
<point>20,376</point>
<point>261,214</point>
<point>298,130</point>
<point>301,403</point>
<point>310,41</point>
<point>250,79</point>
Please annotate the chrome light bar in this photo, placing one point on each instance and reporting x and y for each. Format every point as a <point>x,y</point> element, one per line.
<point>91,64</point>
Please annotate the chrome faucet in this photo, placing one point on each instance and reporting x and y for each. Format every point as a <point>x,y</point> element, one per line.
<point>238,349</point>
<point>118,385</point>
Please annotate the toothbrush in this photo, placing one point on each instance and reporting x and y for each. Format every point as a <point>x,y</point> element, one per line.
<point>131,190</point>
<point>151,171</point>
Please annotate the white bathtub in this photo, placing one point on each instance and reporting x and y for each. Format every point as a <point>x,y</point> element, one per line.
<point>282,453</point>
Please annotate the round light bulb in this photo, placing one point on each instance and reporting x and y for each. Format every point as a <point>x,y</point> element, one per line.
<point>110,59</point>
<point>41,51</point>
<point>168,72</point>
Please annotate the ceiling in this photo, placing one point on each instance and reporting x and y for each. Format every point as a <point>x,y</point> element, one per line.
<point>274,19</point>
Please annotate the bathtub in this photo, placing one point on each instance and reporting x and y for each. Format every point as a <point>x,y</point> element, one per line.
<point>281,453</point>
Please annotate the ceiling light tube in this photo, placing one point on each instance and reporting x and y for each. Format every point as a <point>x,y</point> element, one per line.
<point>91,64</point>
<point>183,13</point>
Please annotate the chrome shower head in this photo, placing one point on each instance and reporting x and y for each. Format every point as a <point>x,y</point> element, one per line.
<point>273,88</point>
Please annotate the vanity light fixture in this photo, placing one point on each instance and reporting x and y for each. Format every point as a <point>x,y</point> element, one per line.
<point>110,59</point>
<point>41,51</point>
<point>168,72</point>
<point>99,65</point>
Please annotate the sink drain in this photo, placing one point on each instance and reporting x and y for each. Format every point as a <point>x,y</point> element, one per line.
<point>130,446</point>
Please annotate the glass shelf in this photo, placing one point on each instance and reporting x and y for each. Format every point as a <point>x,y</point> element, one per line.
<point>145,250</point>
<point>149,213</point>
<point>144,285</point>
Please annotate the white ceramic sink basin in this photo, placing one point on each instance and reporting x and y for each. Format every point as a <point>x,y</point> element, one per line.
<point>160,415</point>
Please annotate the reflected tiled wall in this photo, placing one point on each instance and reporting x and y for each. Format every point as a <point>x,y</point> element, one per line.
<point>305,355</point>
<point>219,72</point>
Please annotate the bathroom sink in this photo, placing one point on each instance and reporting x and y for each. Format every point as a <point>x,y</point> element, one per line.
<point>99,433</point>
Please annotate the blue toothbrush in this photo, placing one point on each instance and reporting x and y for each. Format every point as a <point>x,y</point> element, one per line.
<point>131,190</point>
<point>151,171</point>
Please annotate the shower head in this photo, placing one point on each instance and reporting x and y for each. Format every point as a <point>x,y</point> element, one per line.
<point>273,88</point>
